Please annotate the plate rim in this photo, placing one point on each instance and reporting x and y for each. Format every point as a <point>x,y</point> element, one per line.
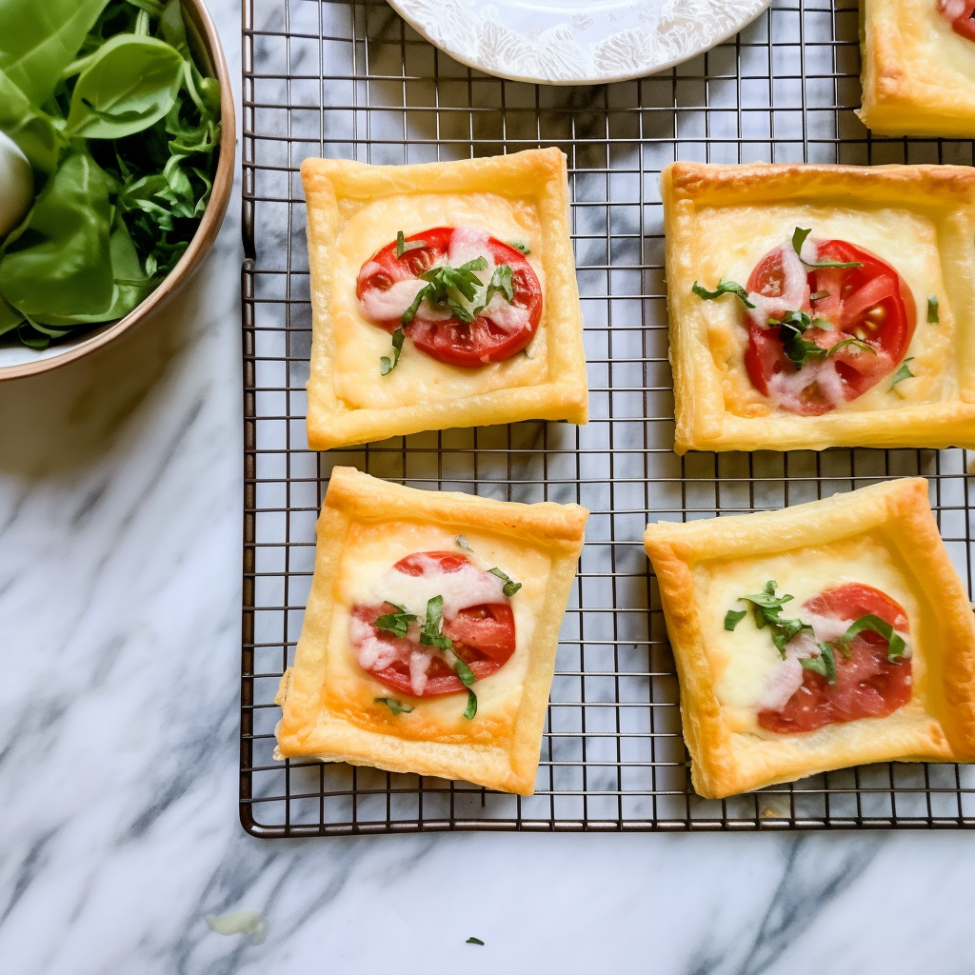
<point>407,10</point>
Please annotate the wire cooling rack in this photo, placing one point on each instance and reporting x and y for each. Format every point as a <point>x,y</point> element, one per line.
<point>351,80</point>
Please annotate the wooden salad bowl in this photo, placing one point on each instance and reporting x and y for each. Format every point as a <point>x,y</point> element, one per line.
<point>205,40</point>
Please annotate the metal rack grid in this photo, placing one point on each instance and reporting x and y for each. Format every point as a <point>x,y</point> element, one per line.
<point>347,78</point>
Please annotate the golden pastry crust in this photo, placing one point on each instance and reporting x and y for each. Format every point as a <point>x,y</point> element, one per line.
<point>353,209</point>
<point>918,74</point>
<point>329,703</point>
<point>721,220</point>
<point>937,724</point>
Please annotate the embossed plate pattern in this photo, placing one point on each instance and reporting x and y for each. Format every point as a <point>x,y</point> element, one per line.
<point>574,42</point>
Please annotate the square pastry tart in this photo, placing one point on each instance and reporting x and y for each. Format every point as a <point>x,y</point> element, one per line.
<point>814,306</point>
<point>829,634</point>
<point>443,295</point>
<point>429,639</point>
<point>918,73</point>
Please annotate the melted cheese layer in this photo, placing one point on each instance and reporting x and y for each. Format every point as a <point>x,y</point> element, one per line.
<point>419,378</point>
<point>366,578</point>
<point>736,239</point>
<point>749,674</point>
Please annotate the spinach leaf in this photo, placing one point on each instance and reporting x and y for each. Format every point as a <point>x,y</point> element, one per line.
<point>130,84</point>
<point>32,130</point>
<point>40,38</point>
<point>10,318</point>
<point>57,265</point>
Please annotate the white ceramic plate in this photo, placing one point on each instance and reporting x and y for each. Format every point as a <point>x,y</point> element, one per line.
<point>574,42</point>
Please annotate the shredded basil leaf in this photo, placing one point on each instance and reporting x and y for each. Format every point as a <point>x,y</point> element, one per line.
<point>519,246</point>
<point>903,373</point>
<point>798,350</point>
<point>510,586</point>
<point>859,343</point>
<point>462,543</point>
<point>404,246</point>
<point>824,664</point>
<point>767,607</point>
<point>397,623</point>
<point>933,309</point>
<point>501,281</point>
<point>723,288</point>
<point>430,635</point>
<point>395,706</point>
<point>464,673</point>
<point>471,708</point>
<point>473,941</point>
<point>792,327</point>
<point>896,647</point>
<point>733,617</point>
<point>386,363</point>
<point>799,238</point>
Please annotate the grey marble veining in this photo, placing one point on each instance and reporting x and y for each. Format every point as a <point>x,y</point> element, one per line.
<point>120,525</point>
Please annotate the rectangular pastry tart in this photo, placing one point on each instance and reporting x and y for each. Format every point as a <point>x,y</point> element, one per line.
<point>429,639</point>
<point>918,71</point>
<point>815,305</point>
<point>828,634</point>
<point>443,295</point>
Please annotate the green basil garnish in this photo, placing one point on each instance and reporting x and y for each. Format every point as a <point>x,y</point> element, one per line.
<point>471,708</point>
<point>798,350</point>
<point>397,623</point>
<point>386,363</point>
<point>464,672</point>
<point>824,664</point>
<point>510,586</point>
<point>733,617</point>
<point>519,246</point>
<point>430,635</point>
<point>723,288</point>
<point>799,238</point>
<point>475,941</point>
<point>903,373</point>
<point>404,246</point>
<point>395,706</point>
<point>933,309</point>
<point>896,647</point>
<point>462,543</point>
<point>767,607</point>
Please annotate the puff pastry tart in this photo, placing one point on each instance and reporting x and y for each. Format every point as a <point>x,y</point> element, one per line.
<point>443,295</point>
<point>816,306</point>
<point>429,639</point>
<point>918,67</point>
<point>825,635</point>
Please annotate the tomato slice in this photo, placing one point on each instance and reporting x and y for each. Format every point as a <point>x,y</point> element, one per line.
<point>961,13</point>
<point>447,338</point>
<point>483,636</point>
<point>867,684</point>
<point>870,303</point>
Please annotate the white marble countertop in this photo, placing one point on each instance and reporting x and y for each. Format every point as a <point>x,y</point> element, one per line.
<point>120,536</point>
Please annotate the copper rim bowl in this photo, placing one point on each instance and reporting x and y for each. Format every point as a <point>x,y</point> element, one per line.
<point>16,361</point>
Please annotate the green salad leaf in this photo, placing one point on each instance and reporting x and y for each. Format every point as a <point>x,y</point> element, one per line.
<point>121,128</point>
<point>56,265</point>
<point>40,38</point>
<point>129,84</point>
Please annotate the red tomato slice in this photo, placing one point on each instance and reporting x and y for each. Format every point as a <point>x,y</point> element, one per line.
<point>867,684</point>
<point>483,636</point>
<point>871,303</point>
<point>961,13</point>
<point>449,339</point>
